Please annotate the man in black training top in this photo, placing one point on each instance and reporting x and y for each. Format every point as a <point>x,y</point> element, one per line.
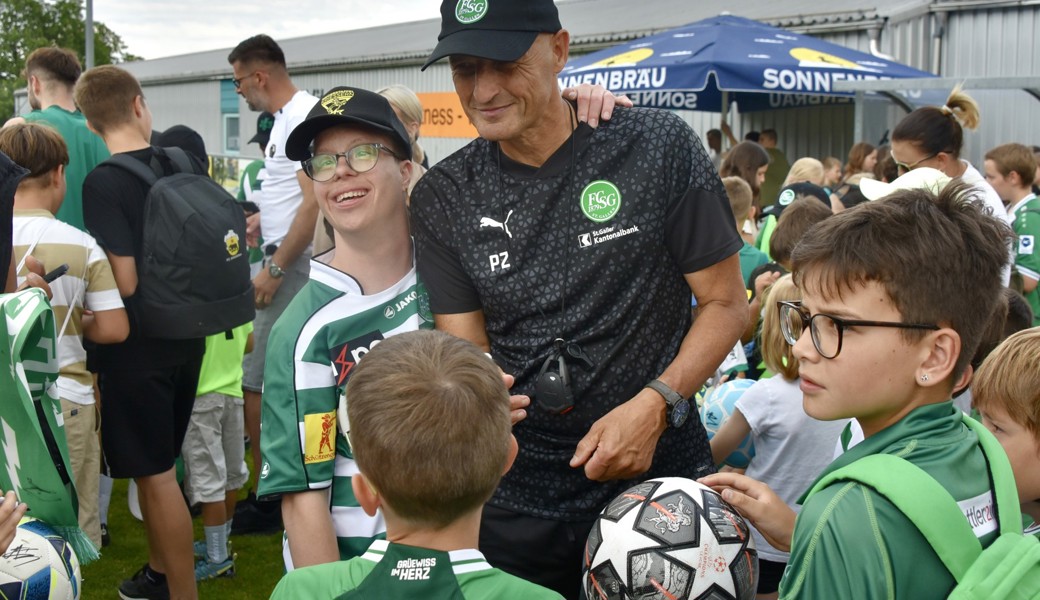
<point>545,229</point>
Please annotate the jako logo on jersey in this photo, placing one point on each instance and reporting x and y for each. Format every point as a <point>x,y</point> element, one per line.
<point>318,442</point>
<point>503,225</point>
<point>270,149</point>
<point>470,11</point>
<point>346,356</point>
<point>401,305</point>
<point>499,261</point>
<point>264,472</point>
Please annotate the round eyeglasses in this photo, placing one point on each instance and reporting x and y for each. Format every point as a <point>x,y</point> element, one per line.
<point>360,158</point>
<point>827,331</point>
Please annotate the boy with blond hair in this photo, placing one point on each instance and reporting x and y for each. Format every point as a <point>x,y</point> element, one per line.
<point>1006,392</point>
<point>739,193</point>
<point>427,417</point>
<point>880,339</point>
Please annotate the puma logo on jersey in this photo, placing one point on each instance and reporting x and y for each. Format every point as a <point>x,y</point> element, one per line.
<point>503,225</point>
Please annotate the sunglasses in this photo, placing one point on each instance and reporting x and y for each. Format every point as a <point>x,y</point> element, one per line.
<point>905,168</point>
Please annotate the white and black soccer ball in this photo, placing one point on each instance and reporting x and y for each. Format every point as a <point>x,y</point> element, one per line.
<point>670,538</point>
<point>39,565</point>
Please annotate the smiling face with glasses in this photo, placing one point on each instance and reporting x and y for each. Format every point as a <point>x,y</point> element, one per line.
<point>360,181</point>
<point>360,159</point>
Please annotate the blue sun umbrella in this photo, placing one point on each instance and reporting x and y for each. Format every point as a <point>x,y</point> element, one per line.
<point>758,66</point>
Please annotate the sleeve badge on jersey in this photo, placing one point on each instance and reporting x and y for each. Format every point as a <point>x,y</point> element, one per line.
<point>319,441</point>
<point>1026,244</point>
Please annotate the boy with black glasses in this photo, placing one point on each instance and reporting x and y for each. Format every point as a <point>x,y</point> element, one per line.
<point>896,297</point>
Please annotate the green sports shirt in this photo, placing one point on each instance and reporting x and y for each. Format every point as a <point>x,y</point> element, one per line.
<point>86,150</point>
<point>850,542</point>
<point>389,570</point>
<point>1026,215</point>
<point>312,350</point>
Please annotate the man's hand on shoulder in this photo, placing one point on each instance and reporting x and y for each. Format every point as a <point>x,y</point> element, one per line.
<point>595,102</point>
<point>621,444</point>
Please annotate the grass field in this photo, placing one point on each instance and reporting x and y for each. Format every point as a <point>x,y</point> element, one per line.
<point>258,567</point>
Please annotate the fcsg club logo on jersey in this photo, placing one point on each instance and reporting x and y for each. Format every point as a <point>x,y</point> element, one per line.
<point>600,201</point>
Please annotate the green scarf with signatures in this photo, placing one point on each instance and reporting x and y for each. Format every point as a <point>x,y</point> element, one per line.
<point>32,436</point>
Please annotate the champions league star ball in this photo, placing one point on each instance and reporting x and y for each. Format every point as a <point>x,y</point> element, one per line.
<point>718,406</point>
<point>39,565</point>
<point>670,539</point>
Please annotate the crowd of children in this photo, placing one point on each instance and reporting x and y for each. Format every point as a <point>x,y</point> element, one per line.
<point>871,305</point>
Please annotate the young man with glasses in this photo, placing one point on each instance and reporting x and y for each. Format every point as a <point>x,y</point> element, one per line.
<point>355,150</point>
<point>286,222</point>
<point>892,312</point>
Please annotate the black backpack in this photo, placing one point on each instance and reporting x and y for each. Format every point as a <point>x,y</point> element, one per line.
<point>193,274</point>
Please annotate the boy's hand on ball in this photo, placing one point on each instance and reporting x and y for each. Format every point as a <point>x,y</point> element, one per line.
<point>11,512</point>
<point>758,504</point>
<point>517,404</point>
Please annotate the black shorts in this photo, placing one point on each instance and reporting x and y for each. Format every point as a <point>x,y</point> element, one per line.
<point>769,575</point>
<point>144,416</point>
<point>539,550</point>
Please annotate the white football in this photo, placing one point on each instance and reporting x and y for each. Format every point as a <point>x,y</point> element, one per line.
<point>670,539</point>
<point>39,565</point>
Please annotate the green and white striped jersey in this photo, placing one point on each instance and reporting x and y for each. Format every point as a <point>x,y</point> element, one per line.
<point>312,350</point>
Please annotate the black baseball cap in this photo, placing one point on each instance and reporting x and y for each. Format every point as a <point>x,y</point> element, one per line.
<point>790,192</point>
<point>264,125</point>
<point>501,30</point>
<point>347,106</point>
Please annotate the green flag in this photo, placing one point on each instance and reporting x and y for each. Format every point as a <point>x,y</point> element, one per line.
<point>32,434</point>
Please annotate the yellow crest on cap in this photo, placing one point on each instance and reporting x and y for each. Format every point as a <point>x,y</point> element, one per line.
<point>333,103</point>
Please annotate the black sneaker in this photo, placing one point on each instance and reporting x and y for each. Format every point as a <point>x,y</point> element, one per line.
<point>105,538</point>
<point>254,516</point>
<point>141,587</point>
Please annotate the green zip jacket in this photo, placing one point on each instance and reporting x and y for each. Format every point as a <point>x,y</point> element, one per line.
<point>851,543</point>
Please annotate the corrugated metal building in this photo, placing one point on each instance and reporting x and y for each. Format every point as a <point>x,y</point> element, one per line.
<point>952,38</point>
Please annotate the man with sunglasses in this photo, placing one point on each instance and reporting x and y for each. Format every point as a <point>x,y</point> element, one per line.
<point>355,150</point>
<point>286,221</point>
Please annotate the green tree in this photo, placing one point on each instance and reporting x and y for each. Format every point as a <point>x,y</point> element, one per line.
<point>29,24</point>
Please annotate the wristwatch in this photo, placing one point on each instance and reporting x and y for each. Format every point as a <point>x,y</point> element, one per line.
<point>274,270</point>
<point>678,407</point>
